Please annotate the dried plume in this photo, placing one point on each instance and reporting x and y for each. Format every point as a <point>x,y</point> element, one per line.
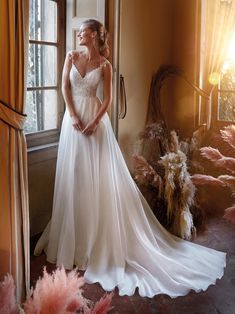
<point>153,131</point>
<point>219,160</point>
<point>230,214</point>
<point>228,135</point>
<point>228,181</point>
<point>7,296</point>
<point>202,179</point>
<point>103,305</point>
<point>179,193</point>
<point>145,174</point>
<point>174,145</point>
<point>213,154</point>
<point>58,293</point>
<point>224,162</point>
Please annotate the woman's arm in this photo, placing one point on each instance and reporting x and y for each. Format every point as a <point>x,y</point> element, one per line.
<point>92,125</point>
<point>66,91</point>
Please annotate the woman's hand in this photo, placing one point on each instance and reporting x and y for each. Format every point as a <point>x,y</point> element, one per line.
<point>90,128</point>
<point>77,124</point>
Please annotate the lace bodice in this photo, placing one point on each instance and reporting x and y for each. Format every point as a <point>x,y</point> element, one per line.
<point>85,86</point>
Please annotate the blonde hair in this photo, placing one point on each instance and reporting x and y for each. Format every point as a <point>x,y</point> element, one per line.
<point>102,35</point>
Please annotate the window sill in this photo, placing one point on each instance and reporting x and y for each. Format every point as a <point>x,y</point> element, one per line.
<point>42,153</point>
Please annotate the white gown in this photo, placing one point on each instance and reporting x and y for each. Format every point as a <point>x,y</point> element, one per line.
<point>101,222</point>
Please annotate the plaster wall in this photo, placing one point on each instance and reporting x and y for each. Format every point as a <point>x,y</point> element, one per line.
<point>146,43</point>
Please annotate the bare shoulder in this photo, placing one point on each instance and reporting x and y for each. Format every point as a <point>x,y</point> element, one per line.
<point>106,65</point>
<point>73,55</point>
<point>106,62</point>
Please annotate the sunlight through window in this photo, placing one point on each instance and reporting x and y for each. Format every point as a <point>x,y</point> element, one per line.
<point>226,87</point>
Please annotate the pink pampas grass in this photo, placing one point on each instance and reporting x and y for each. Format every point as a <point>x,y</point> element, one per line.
<point>201,179</point>
<point>228,181</point>
<point>213,154</point>
<point>219,160</point>
<point>145,174</point>
<point>228,135</point>
<point>230,214</point>
<point>7,296</point>
<point>103,305</point>
<point>58,293</point>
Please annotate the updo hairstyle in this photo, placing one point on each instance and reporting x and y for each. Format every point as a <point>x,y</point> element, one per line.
<point>102,35</point>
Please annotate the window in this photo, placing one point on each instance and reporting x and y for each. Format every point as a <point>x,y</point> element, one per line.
<point>225,112</point>
<point>44,102</point>
<point>226,93</point>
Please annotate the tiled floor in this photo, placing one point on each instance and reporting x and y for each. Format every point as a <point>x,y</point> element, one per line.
<point>218,299</point>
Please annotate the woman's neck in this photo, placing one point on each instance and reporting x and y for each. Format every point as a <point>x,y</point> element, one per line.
<point>92,53</point>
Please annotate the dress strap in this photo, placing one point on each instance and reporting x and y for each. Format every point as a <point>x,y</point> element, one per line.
<point>103,64</point>
<point>73,54</point>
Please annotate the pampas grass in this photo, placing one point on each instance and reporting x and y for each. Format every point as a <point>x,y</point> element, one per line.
<point>230,214</point>
<point>201,179</point>
<point>179,194</point>
<point>213,154</point>
<point>224,162</point>
<point>179,190</point>
<point>173,187</point>
<point>56,293</point>
<point>103,305</point>
<point>146,175</point>
<point>7,296</point>
<point>228,135</point>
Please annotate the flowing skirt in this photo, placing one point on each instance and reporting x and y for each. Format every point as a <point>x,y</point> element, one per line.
<point>102,224</point>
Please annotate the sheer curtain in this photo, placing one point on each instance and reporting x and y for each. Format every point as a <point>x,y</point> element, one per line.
<point>218,22</point>
<point>14,216</point>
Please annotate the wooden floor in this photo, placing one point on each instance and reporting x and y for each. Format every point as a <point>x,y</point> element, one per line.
<point>218,299</point>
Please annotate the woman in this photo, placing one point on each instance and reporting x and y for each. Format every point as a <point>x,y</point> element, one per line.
<point>100,222</point>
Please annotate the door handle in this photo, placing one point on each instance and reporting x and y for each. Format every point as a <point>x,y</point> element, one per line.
<point>123,104</point>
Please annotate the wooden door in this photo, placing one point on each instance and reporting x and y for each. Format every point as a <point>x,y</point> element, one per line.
<point>77,12</point>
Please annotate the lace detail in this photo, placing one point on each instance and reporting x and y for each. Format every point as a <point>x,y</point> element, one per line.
<point>86,86</point>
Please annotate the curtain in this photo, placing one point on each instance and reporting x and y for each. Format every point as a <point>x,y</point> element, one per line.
<point>14,216</point>
<point>219,24</point>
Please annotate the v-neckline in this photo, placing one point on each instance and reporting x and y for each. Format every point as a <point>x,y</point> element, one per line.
<point>87,71</point>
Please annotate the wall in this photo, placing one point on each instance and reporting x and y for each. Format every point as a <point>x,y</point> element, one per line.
<point>146,38</point>
<point>183,113</point>
<point>41,172</point>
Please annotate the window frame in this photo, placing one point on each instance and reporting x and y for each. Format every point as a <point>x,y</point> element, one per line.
<point>217,124</point>
<point>51,136</point>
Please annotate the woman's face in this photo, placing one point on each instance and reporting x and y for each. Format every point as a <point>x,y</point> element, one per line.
<point>85,35</point>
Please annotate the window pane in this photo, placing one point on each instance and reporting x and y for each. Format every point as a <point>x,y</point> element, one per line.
<point>42,65</point>
<point>228,78</point>
<point>227,106</point>
<point>43,20</point>
<point>41,110</point>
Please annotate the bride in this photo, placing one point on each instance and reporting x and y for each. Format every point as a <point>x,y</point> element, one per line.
<point>100,221</point>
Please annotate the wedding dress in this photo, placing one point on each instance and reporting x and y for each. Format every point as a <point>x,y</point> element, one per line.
<point>101,222</point>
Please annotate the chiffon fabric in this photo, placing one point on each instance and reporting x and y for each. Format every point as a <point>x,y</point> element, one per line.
<point>102,224</point>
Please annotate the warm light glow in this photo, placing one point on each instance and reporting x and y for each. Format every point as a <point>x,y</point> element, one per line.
<point>231,49</point>
<point>225,67</point>
<point>214,78</point>
<point>230,58</point>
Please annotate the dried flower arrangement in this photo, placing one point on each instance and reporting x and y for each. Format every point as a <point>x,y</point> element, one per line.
<point>56,293</point>
<point>221,161</point>
<point>161,166</point>
<point>169,181</point>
